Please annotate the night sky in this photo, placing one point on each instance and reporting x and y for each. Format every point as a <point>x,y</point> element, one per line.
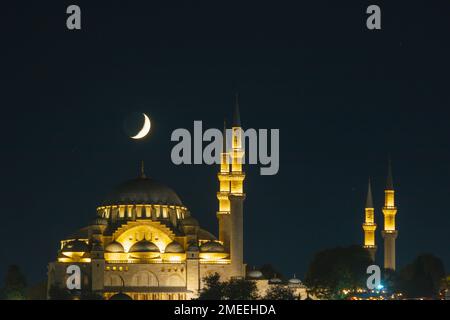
<point>342,96</point>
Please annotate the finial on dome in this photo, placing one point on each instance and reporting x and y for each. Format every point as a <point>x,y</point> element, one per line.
<point>142,170</point>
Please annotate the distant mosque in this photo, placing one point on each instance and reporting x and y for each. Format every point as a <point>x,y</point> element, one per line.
<point>389,231</point>
<point>146,245</point>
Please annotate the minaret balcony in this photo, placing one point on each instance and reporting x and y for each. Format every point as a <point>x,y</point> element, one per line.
<point>237,176</point>
<point>223,176</point>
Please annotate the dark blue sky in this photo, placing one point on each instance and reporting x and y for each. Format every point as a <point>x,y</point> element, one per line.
<point>343,98</point>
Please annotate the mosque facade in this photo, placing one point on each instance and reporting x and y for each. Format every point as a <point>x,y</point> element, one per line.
<point>145,244</point>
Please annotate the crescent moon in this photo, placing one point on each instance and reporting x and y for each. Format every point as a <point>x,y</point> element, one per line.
<point>145,129</point>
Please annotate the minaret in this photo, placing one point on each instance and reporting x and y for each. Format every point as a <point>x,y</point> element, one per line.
<point>369,225</point>
<point>224,176</point>
<point>237,196</point>
<point>389,211</point>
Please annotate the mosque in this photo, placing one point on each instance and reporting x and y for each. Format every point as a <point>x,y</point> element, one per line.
<point>145,244</point>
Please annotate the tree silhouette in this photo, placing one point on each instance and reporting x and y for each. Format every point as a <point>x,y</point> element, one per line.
<point>335,269</point>
<point>423,277</point>
<point>56,292</point>
<point>234,289</point>
<point>278,292</point>
<point>15,284</point>
<point>213,289</point>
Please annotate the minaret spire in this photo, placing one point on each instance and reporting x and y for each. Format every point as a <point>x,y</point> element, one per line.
<point>224,150</point>
<point>236,114</point>
<point>389,180</point>
<point>142,175</point>
<point>369,225</point>
<point>223,215</point>
<point>237,197</point>
<point>389,232</point>
<point>369,200</point>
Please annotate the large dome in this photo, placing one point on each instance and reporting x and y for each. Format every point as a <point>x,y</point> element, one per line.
<point>143,191</point>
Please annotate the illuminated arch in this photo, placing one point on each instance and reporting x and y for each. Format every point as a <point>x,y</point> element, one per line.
<point>144,279</point>
<point>175,280</point>
<point>135,231</point>
<point>114,280</point>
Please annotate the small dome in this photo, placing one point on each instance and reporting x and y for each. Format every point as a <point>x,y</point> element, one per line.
<point>114,247</point>
<point>294,280</point>
<point>193,247</point>
<point>189,221</point>
<point>120,296</point>
<point>275,280</point>
<point>174,247</point>
<point>212,246</point>
<point>144,246</point>
<point>255,274</point>
<point>75,246</point>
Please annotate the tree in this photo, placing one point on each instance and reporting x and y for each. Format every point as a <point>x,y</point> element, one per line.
<point>234,289</point>
<point>335,269</point>
<point>57,292</point>
<point>280,293</point>
<point>392,281</point>
<point>423,277</point>
<point>15,284</point>
<point>240,289</point>
<point>37,291</point>
<point>213,289</point>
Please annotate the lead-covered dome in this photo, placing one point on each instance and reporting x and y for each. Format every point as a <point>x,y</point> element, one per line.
<point>255,274</point>
<point>212,246</point>
<point>75,246</point>
<point>174,247</point>
<point>114,247</point>
<point>143,191</point>
<point>144,246</point>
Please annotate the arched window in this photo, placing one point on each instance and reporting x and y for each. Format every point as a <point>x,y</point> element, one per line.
<point>144,279</point>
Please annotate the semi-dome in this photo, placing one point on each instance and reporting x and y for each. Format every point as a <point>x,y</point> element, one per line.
<point>189,221</point>
<point>143,191</point>
<point>144,246</point>
<point>114,247</point>
<point>75,246</point>
<point>174,247</point>
<point>212,246</point>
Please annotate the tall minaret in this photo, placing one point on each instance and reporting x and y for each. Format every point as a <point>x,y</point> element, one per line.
<point>224,176</point>
<point>237,197</point>
<point>369,225</point>
<point>389,211</point>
